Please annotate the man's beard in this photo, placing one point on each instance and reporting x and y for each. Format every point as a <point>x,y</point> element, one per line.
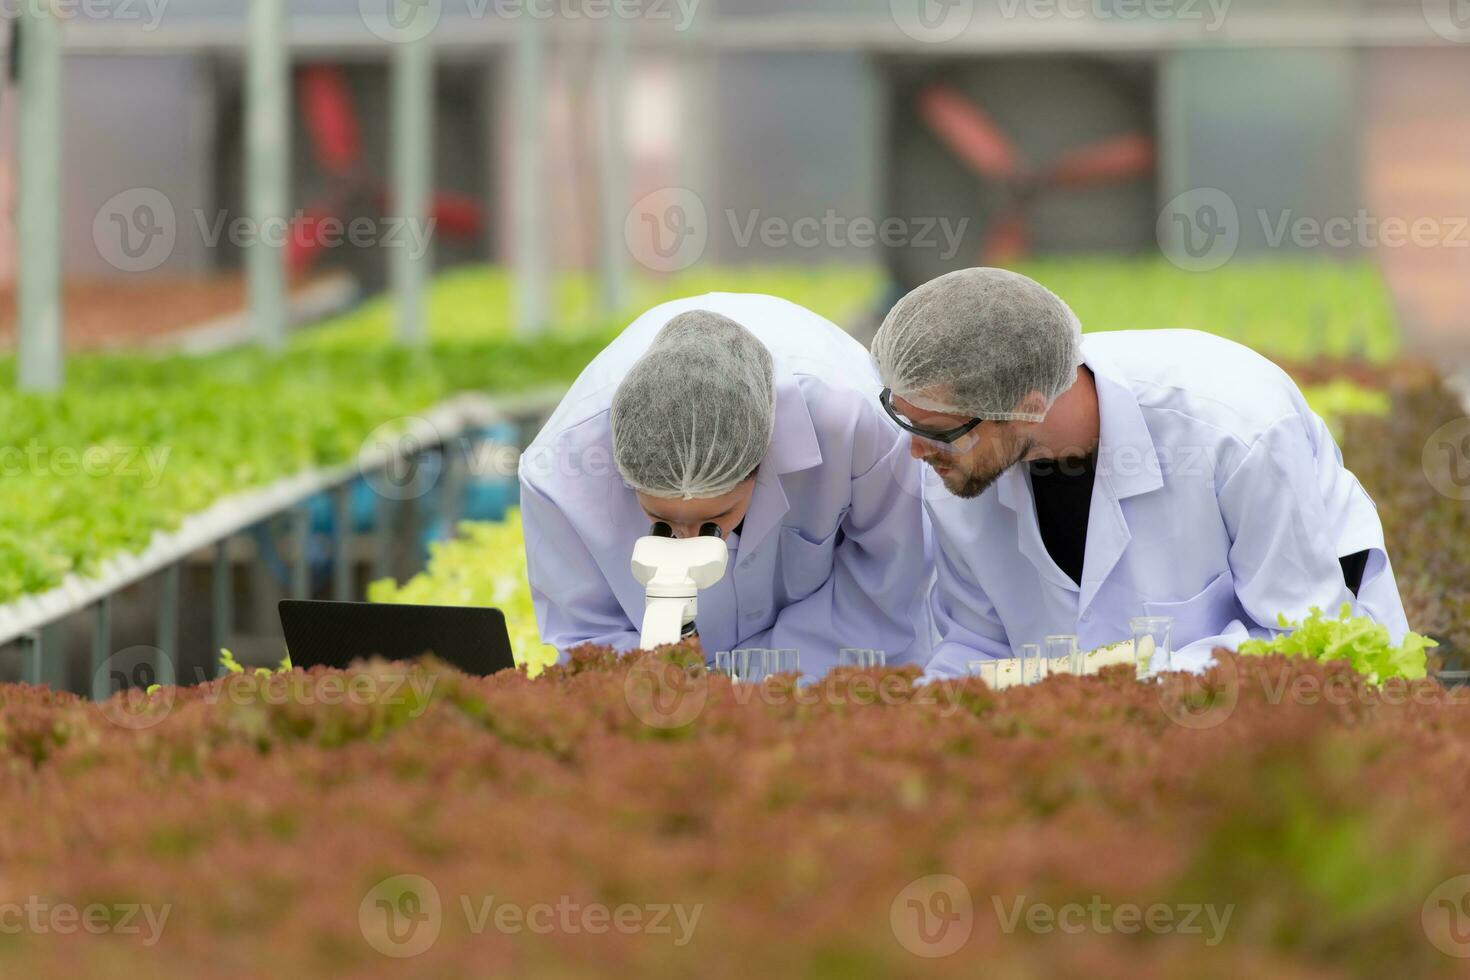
<point>973,485</point>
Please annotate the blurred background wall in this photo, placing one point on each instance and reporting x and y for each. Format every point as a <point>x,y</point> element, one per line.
<point>1053,129</point>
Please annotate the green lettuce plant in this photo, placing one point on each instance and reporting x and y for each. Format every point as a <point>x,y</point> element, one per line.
<point>1364,644</point>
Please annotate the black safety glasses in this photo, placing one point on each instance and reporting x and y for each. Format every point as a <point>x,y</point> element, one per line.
<point>946,436</point>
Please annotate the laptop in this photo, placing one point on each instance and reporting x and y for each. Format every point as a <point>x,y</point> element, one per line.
<point>333,634</point>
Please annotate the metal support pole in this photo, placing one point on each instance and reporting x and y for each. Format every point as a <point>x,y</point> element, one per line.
<point>613,153</point>
<point>32,654</point>
<point>298,527</point>
<point>40,365</point>
<point>268,167</point>
<point>529,180</point>
<point>342,584</point>
<point>101,638</point>
<point>224,603</point>
<point>383,534</point>
<point>53,657</point>
<point>411,515</point>
<point>413,169</point>
<point>456,456</point>
<point>697,67</point>
<point>168,625</point>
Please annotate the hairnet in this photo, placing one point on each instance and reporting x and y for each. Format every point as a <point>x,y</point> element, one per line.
<point>693,417</point>
<point>977,342</point>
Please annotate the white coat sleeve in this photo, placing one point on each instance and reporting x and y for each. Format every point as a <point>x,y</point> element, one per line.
<point>1283,552</point>
<point>967,623</point>
<point>874,598</point>
<point>574,603</point>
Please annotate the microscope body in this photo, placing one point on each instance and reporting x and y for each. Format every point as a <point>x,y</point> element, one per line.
<point>673,571</point>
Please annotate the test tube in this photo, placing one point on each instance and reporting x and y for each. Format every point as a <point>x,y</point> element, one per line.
<point>1062,655</point>
<point>783,662</point>
<point>1033,667</point>
<point>749,666</point>
<point>1152,652</point>
<point>983,669</point>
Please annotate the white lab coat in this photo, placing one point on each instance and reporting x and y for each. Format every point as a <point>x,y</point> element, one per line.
<point>832,553</point>
<point>1220,500</point>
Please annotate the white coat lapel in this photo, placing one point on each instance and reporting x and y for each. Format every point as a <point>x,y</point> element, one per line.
<point>1013,491</point>
<point>794,448</point>
<point>1127,466</point>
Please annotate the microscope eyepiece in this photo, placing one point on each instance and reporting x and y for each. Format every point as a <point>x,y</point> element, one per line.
<point>662,530</point>
<point>711,530</point>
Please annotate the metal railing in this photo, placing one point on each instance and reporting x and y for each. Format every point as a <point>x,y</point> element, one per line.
<point>33,622</point>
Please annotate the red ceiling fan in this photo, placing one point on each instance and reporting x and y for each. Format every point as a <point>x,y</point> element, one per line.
<point>331,125</point>
<point>984,149</point>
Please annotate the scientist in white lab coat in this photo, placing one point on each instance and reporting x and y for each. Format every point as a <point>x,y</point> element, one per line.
<point>1078,482</point>
<point>761,417</point>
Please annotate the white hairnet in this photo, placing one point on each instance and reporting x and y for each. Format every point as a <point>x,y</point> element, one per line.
<point>693,417</point>
<point>977,342</point>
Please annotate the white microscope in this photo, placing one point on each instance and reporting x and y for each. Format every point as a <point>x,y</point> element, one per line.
<point>673,570</point>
